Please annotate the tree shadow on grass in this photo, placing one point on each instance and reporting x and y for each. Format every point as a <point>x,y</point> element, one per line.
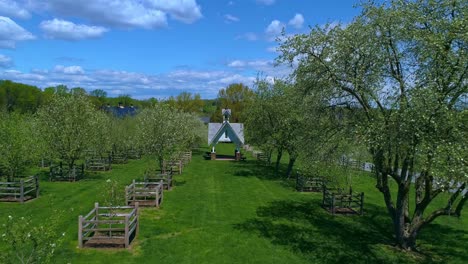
<point>254,168</point>
<point>444,242</point>
<point>309,230</point>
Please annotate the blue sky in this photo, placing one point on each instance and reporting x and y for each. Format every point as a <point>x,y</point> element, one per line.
<point>152,48</point>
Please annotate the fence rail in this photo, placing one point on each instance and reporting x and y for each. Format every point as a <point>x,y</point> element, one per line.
<point>60,173</point>
<point>144,193</point>
<point>20,191</point>
<point>108,226</point>
<point>339,201</point>
<point>309,184</point>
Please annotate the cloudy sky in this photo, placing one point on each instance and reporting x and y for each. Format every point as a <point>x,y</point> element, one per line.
<point>152,48</point>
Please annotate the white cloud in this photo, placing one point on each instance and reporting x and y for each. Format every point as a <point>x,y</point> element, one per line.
<point>68,69</point>
<point>253,64</point>
<point>12,9</point>
<point>199,75</point>
<point>5,62</point>
<point>187,11</point>
<point>231,18</point>
<point>10,33</point>
<point>148,14</point>
<point>139,85</point>
<point>235,78</point>
<point>297,21</point>
<point>274,28</point>
<point>61,29</point>
<point>266,2</point>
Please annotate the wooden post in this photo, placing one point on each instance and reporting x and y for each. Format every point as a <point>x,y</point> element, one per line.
<point>22,191</point>
<point>80,231</point>
<point>127,236</point>
<point>36,181</point>
<point>126,195</point>
<point>133,191</point>
<point>137,213</point>
<point>96,207</point>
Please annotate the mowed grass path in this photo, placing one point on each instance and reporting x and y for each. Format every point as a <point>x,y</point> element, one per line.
<point>238,212</point>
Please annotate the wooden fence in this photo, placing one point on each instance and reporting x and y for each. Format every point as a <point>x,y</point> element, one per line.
<point>20,191</point>
<point>176,166</point>
<point>339,201</point>
<point>119,157</point>
<point>60,173</point>
<point>133,154</point>
<point>185,157</point>
<point>309,184</point>
<point>144,193</point>
<point>108,226</point>
<point>99,164</point>
<point>157,176</point>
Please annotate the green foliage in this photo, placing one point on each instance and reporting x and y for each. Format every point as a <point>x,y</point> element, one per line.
<point>19,97</point>
<point>163,131</point>
<point>18,144</point>
<point>274,120</point>
<point>187,102</point>
<point>401,68</point>
<point>70,125</point>
<point>237,212</point>
<point>123,133</point>
<point>27,242</point>
<point>234,97</point>
<point>113,194</point>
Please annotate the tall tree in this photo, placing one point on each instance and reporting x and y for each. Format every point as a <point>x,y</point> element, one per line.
<point>18,146</point>
<point>404,64</point>
<point>274,121</point>
<point>70,125</point>
<point>235,97</point>
<point>19,97</point>
<point>163,131</point>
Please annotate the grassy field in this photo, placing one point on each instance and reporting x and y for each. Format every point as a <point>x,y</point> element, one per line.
<point>238,212</point>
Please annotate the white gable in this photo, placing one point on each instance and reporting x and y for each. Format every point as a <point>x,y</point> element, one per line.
<point>237,128</point>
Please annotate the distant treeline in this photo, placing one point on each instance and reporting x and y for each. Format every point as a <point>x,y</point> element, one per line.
<point>23,98</point>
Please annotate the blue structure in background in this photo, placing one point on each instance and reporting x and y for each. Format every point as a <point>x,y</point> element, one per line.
<point>121,111</point>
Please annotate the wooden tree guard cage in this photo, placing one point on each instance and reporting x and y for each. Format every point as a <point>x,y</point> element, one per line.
<point>60,173</point>
<point>133,154</point>
<point>175,166</point>
<point>309,184</point>
<point>185,157</point>
<point>144,193</point>
<point>337,201</point>
<point>157,176</point>
<point>260,156</point>
<point>98,164</point>
<point>108,226</point>
<point>20,191</point>
<point>119,157</point>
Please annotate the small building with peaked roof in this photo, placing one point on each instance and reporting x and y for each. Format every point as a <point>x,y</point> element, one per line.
<point>226,131</point>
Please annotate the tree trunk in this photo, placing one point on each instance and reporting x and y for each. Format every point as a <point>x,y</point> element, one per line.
<point>161,163</point>
<point>278,160</point>
<point>71,164</point>
<point>291,162</point>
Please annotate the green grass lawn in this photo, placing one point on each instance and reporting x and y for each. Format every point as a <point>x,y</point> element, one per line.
<point>239,212</point>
